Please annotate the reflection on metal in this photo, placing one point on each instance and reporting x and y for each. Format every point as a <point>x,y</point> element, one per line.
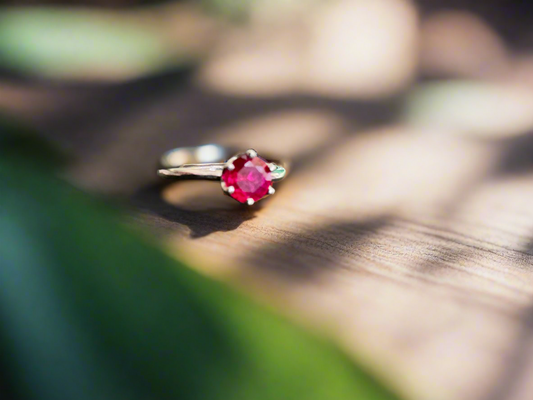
<point>209,153</point>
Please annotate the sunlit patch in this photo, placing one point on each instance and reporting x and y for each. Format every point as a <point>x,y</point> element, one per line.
<point>258,61</point>
<point>494,206</point>
<point>390,171</point>
<point>362,48</point>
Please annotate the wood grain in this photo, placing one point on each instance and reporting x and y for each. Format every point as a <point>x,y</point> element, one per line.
<point>411,246</point>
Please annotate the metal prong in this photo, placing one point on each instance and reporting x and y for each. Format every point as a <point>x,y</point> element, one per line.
<point>251,153</point>
<point>272,167</point>
<point>271,190</point>
<point>229,163</point>
<point>231,190</point>
<point>224,186</point>
<point>250,202</point>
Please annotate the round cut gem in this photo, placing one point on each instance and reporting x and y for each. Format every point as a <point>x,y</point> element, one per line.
<point>251,178</point>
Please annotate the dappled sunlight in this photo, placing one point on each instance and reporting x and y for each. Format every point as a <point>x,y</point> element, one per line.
<point>390,171</point>
<point>414,180</point>
<point>479,219</point>
<point>393,172</point>
<point>361,49</point>
<point>405,227</point>
<point>346,49</point>
<point>457,334</point>
<point>411,180</point>
<point>255,61</point>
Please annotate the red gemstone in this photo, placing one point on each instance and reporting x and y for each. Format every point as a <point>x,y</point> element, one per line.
<point>251,178</point>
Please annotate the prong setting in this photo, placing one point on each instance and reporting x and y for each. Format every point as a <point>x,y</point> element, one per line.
<point>247,177</point>
<point>229,164</point>
<point>227,189</point>
<point>271,190</point>
<point>251,153</point>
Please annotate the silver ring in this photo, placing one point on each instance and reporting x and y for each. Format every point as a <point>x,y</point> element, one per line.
<point>244,176</point>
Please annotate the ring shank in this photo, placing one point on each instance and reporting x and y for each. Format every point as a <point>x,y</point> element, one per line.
<point>205,162</point>
<point>206,154</point>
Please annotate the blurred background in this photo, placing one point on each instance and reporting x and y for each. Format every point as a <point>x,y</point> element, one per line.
<point>405,229</point>
<point>106,79</point>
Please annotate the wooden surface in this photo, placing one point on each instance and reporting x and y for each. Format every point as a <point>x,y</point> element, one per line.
<point>411,244</point>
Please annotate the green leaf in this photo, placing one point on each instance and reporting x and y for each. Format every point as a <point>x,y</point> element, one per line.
<point>242,9</point>
<point>235,9</point>
<point>88,310</point>
<point>81,44</point>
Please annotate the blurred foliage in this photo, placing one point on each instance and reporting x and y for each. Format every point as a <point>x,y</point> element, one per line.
<point>89,310</point>
<point>83,43</point>
<point>240,10</point>
<point>236,9</point>
<point>80,43</point>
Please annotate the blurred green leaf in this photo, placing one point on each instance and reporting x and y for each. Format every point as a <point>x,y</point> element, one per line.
<point>82,44</point>
<point>90,311</point>
<point>241,9</point>
<point>230,8</point>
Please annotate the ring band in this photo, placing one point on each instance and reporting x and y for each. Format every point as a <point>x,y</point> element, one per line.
<point>245,176</point>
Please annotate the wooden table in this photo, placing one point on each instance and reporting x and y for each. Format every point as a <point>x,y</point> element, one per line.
<point>411,246</point>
